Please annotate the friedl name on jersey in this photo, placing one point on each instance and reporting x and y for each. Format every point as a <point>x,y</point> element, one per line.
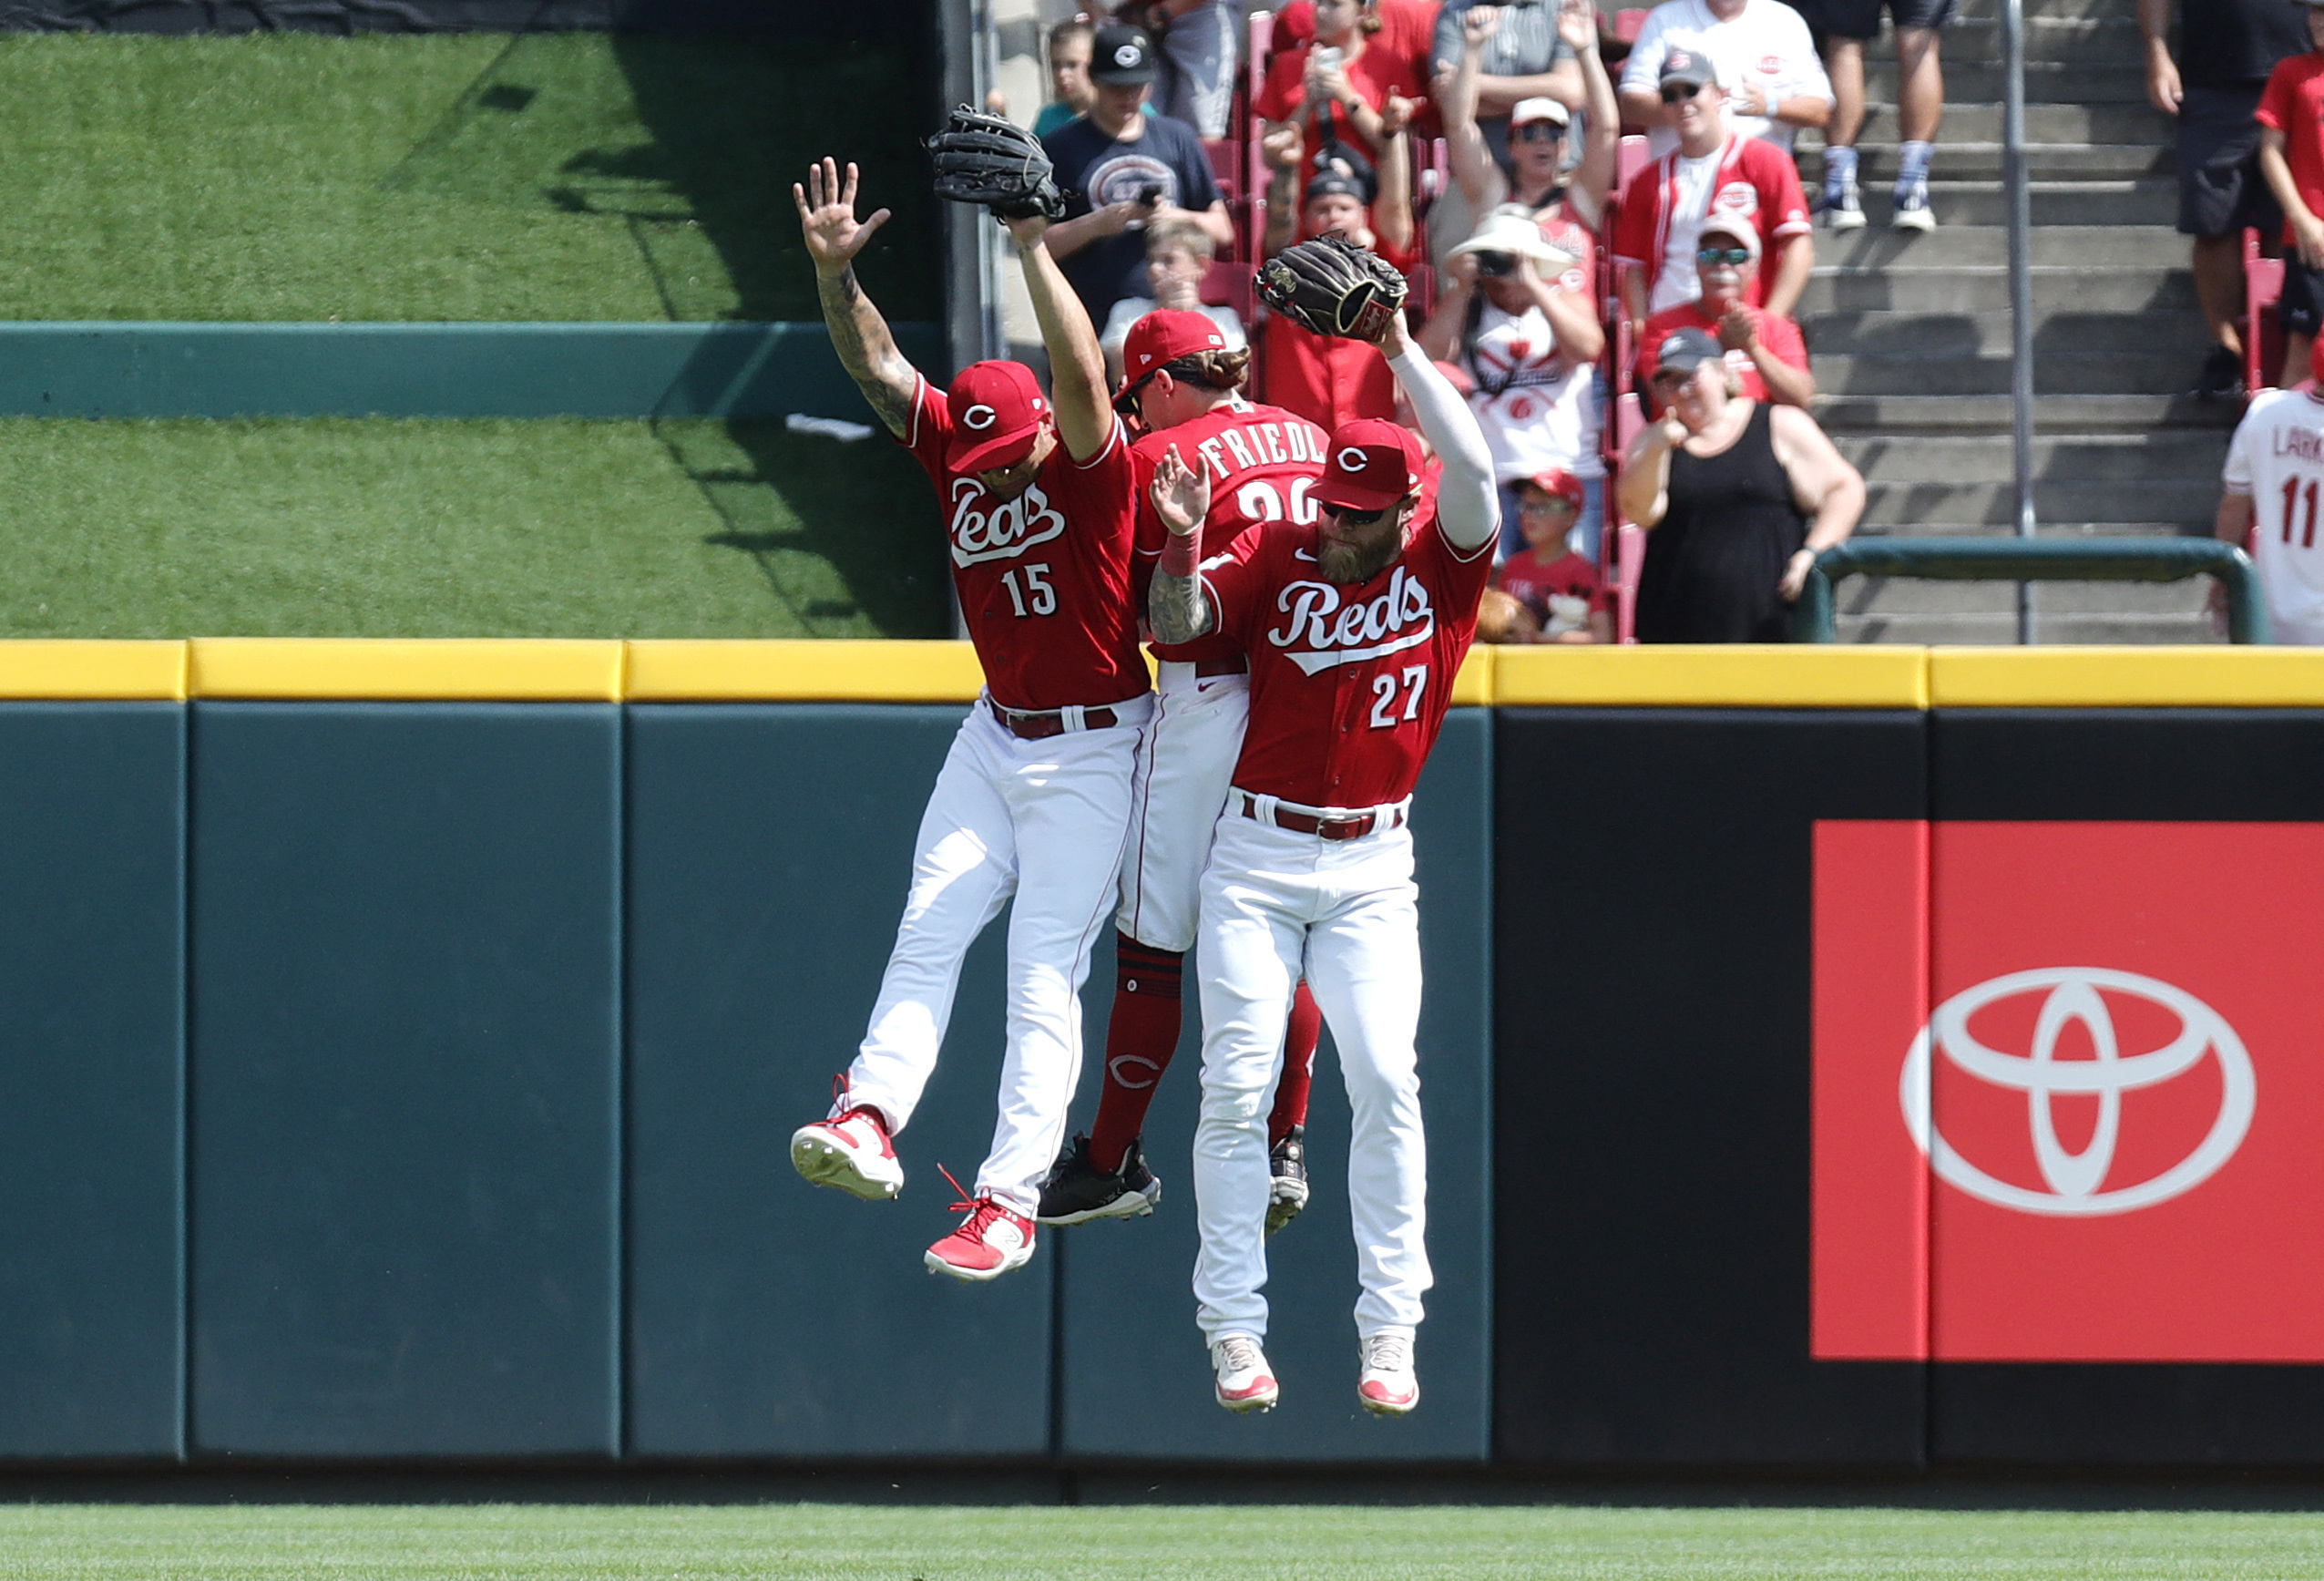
<point>983,531</point>
<point>1323,630</point>
<point>1258,444</point>
<point>2305,442</point>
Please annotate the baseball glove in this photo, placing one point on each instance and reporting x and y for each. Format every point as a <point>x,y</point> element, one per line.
<point>1333,287</point>
<point>994,162</point>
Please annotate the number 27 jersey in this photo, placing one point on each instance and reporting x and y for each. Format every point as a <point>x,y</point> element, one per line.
<point>2278,457</point>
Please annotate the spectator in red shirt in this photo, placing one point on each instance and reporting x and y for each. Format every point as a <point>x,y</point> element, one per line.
<point>1712,171</point>
<point>1559,595</point>
<point>1337,88</point>
<point>1764,350</point>
<point>2291,157</point>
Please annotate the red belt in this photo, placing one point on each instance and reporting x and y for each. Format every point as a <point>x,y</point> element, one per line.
<point>1352,827</point>
<point>1237,665</point>
<point>1040,726</point>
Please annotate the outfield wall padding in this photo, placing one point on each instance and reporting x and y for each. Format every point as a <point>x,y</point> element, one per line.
<point>435,370</point>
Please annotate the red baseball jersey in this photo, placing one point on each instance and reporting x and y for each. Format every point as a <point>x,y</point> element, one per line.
<point>1348,684</point>
<point>1262,460</point>
<point>1043,579</point>
<point>1752,180</point>
<point>2293,105</point>
<point>1776,333</point>
<point>1535,582</point>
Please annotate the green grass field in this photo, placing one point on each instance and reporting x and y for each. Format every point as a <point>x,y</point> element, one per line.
<point>492,529</point>
<point>280,1543</point>
<point>445,176</point>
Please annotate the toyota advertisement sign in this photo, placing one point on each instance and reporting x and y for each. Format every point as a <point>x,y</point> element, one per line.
<point>2067,1093</point>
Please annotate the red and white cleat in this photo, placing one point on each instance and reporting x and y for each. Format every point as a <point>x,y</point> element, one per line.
<point>990,1241</point>
<point>1388,1386</point>
<point>1243,1380</point>
<point>850,1152</point>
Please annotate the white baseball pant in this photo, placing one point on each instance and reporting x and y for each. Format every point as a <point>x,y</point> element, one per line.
<point>1184,772</point>
<point>1042,821</point>
<point>1275,903</point>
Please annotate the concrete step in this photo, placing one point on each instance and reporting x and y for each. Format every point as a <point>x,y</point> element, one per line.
<point>2138,122</point>
<point>1936,527</point>
<point>2098,38</point>
<point>2150,200</point>
<point>2171,456</point>
<point>2055,10</point>
<point>1986,630</point>
<point>2054,374</point>
<point>1992,415</point>
<point>2046,81</point>
<point>1988,334</point>
<point>1930,507</point>
<point>1985,288</point>
<point>1981,161</point>
<point>1913,596</point>
<point>1957,242</point>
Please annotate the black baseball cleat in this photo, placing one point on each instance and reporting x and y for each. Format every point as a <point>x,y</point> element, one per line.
<point>1288,1183</point>
<point>2221,378</point>
<point>1076,1190</point>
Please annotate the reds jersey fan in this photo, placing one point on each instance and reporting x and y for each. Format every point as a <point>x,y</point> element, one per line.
<point>1662,210</point>
<point>1355,627</point>
<point>2274,473</point>
<point>1184,384</point>
<point>1032,804</point>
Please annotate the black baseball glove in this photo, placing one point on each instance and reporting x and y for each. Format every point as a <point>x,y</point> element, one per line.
<point>1333,287</point>
<point>994,162</point>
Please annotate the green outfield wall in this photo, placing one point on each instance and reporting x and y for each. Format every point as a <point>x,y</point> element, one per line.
<point>403,1037</point>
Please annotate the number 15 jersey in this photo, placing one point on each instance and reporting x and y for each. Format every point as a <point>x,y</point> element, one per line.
<point>2278,457</point>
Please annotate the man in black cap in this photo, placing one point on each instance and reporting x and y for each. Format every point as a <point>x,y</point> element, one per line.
<point>1124,169</point>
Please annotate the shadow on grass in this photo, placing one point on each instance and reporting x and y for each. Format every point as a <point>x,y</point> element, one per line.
<point>846,535</point>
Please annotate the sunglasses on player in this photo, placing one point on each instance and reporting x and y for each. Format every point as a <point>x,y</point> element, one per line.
<point>1737,256</point>
<point>1681,95</point>
<point>1350,516</point>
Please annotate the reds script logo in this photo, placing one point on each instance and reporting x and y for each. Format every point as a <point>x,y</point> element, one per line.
<point>2073,1181</point>
<point>1003,532</point>
<point>1332,629</point>
<point>1737,198</point>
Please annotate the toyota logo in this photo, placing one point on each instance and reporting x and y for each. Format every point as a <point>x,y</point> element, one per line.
<point>1352,459</point>
<point>2074,1179</point>
<point>980,417</point>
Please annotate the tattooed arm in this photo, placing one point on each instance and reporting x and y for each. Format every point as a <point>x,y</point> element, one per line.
<point>858,333</point>
<point>1176,607</point>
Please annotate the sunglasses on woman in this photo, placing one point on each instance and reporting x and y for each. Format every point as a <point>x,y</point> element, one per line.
<point>1737,256</point>
<point>1539,132</point>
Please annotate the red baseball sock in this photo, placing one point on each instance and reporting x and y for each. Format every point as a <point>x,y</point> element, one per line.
<point>1139,1038</point>
<point>1298,1064</point>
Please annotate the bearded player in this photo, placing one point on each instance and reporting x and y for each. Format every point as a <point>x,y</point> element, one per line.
<point>1185,388</point>
<point>1033,800</point>
<point>1355,628</point>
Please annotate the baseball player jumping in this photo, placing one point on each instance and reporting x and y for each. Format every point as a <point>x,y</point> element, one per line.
<point>1263,461</point>
<point>1033,800</point>
<point>1355,628</point>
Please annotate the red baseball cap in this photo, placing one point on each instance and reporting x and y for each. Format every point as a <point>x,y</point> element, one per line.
<point>1560,484</point>
<point>1163,336</point>
<point>997,409</point>
<point>1373,464</point>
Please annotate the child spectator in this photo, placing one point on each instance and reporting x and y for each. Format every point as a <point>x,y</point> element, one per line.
<point>1713,169</point>
<point>2291,157</point>
<point>1764,350</point>
<point>1337,88</point>
<point>1125,170</point>
<point>1068,76</point>
<point>1177,257</point>
<point>1534,175</point>
<point>1563,597</point>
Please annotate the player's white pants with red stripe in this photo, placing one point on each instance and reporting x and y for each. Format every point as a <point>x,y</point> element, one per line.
<point>1042,821</point>
<point>1275,903</point>
<point>1185,770</point>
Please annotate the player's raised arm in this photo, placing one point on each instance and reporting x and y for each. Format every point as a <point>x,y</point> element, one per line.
<point>1085,419</point>
<point>1468,503</point>
<point>858,333</point>
<point>1176,607</point>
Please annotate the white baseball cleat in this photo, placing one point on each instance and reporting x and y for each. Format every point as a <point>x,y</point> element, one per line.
<point>850,1152</point>
<point>1243,1380</point>
<point>989,1242</point>
<point>1387,1385</point>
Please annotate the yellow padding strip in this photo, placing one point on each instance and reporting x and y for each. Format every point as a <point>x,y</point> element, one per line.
<point>2126,677</point>
<point>111,671</point>
<point>1713,676</point>
<point>1473,687</point>
<point>829,671</point>
<point>450,669</point>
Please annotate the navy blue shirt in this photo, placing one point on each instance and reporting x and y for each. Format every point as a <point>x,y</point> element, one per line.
<point>1097,170</point>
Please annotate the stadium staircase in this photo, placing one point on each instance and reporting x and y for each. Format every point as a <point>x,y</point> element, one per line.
<point>1910,335</point>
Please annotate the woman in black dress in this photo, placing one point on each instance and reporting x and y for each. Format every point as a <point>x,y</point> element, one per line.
<point>1739,497</point>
